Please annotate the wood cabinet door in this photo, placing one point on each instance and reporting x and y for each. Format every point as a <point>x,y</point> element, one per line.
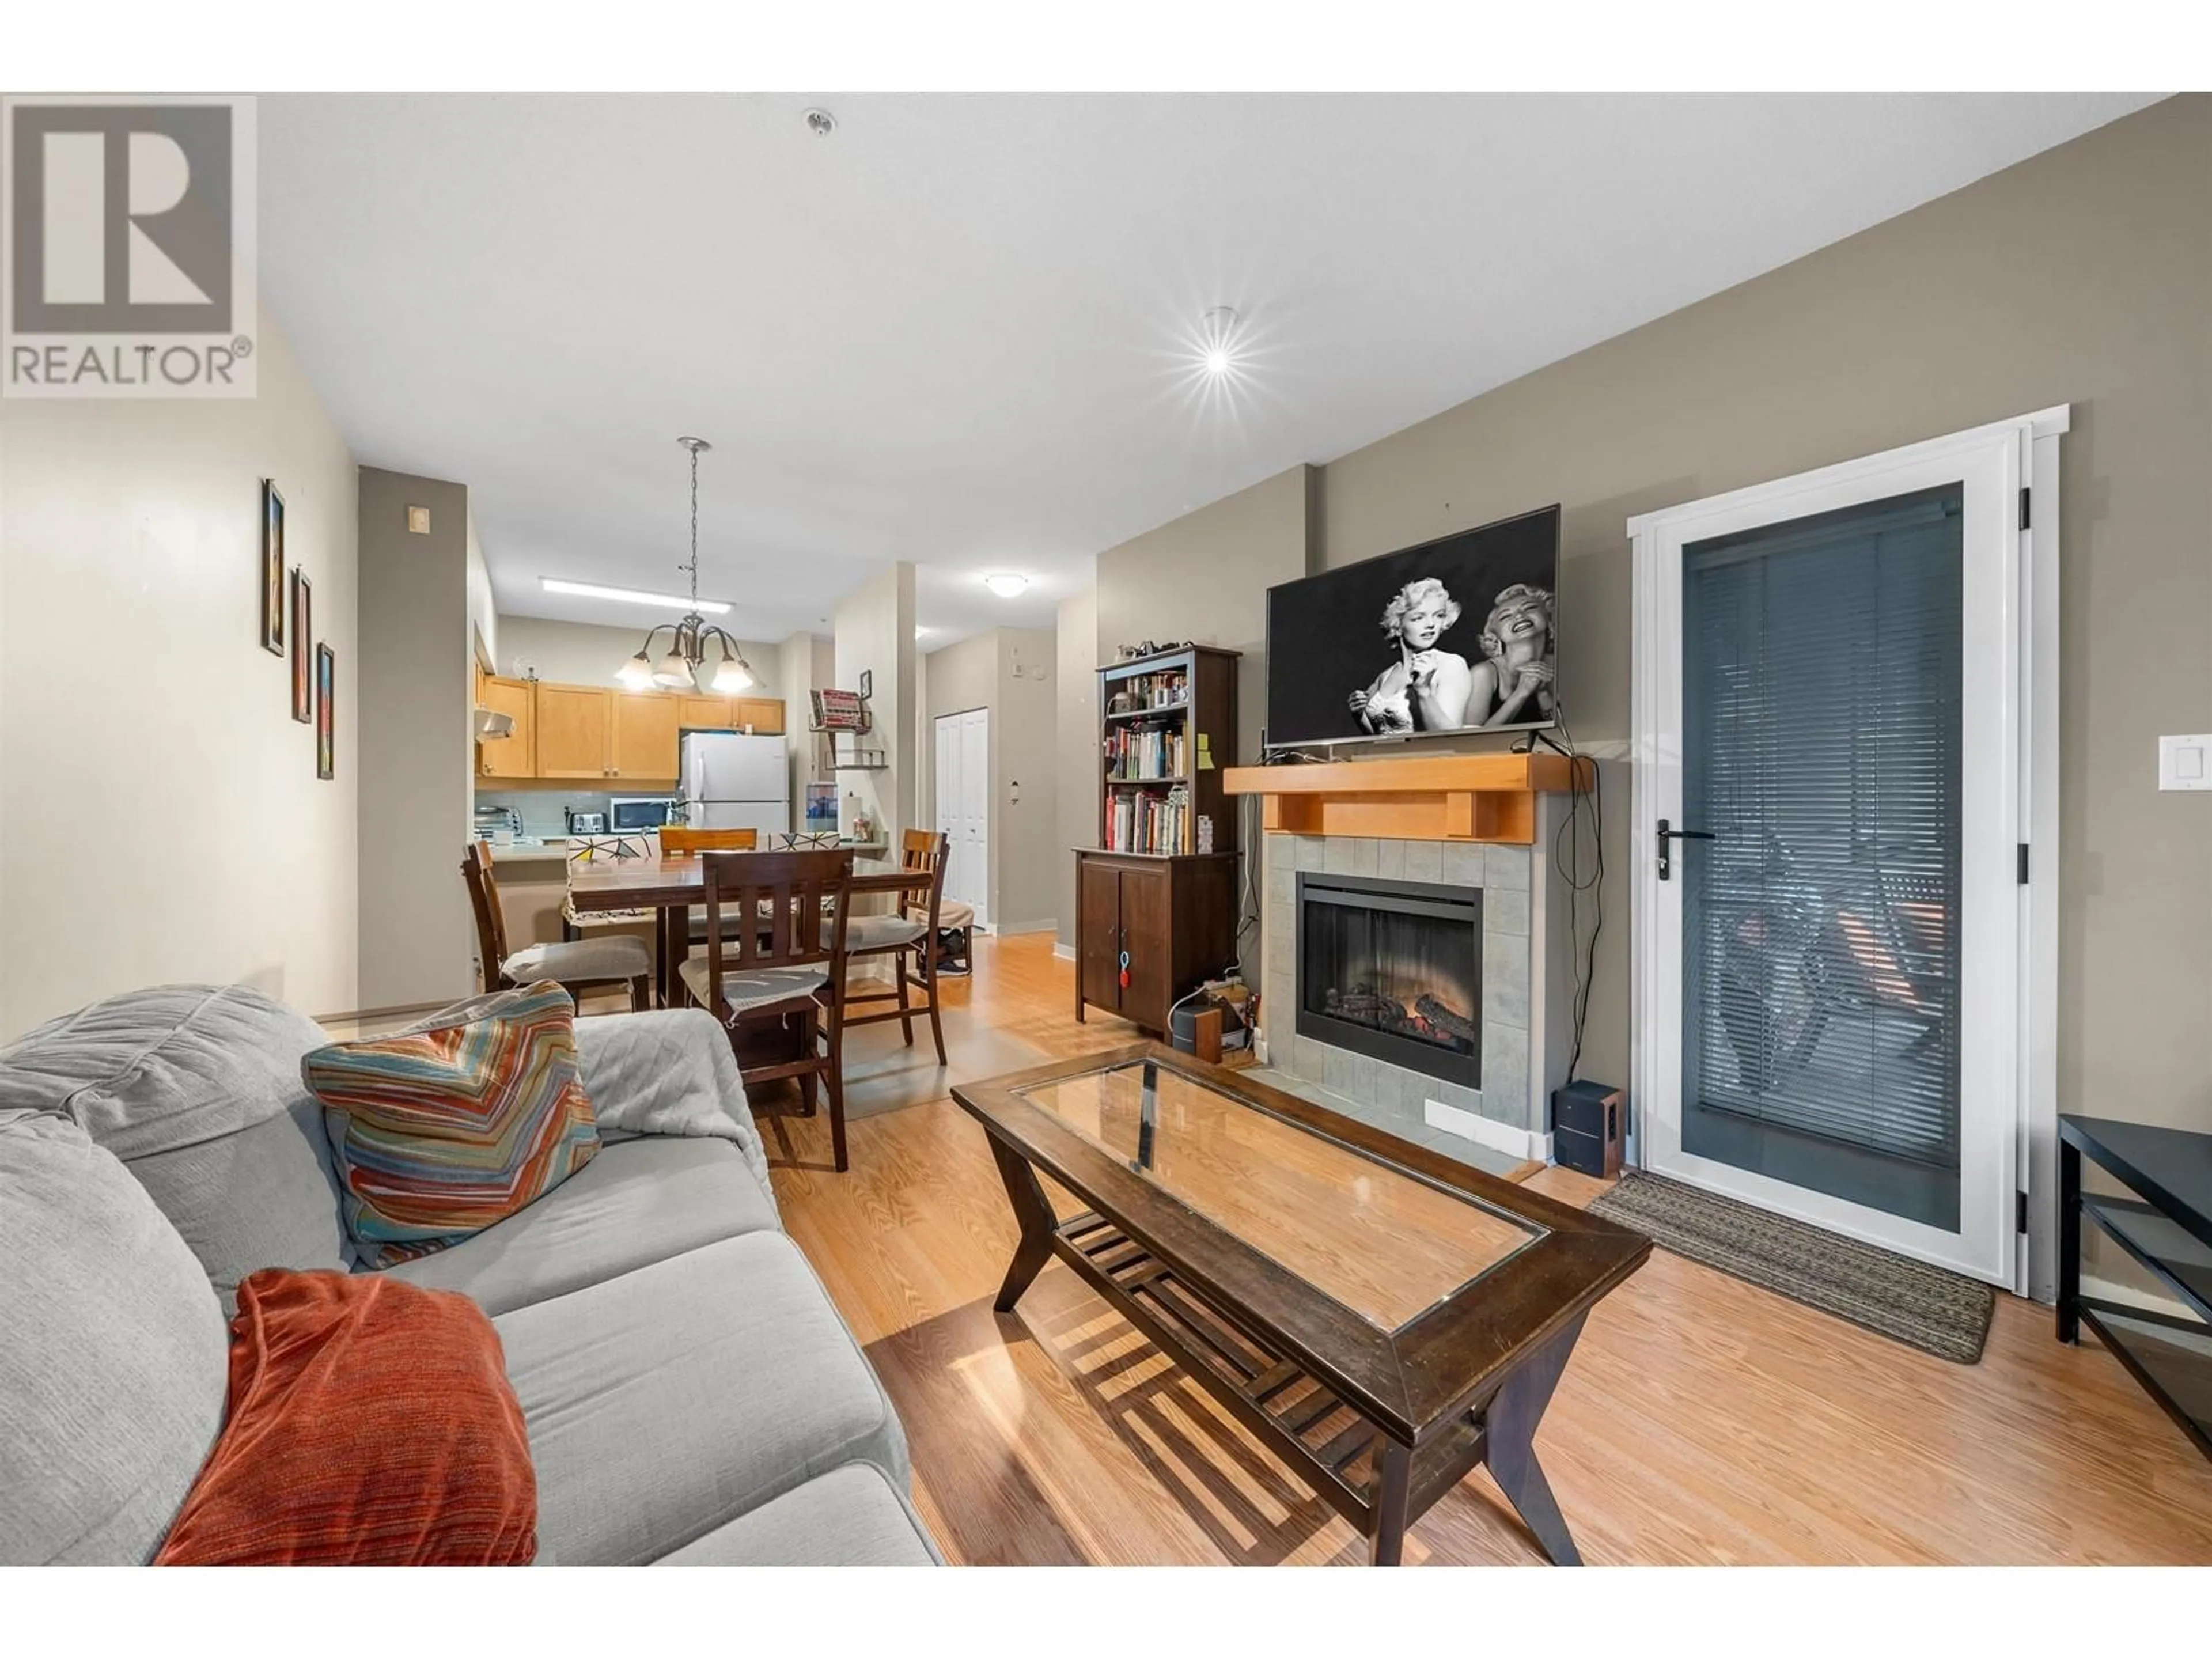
<point>764,715</point>
<point>574,731</point>
<point>703,714</point>
<point>1148,935</point>
<point>644,735</point>
<point>1098,900</point>
<point>515,756</point>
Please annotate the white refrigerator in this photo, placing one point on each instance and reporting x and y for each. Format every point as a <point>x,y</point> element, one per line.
<point>733,781</point>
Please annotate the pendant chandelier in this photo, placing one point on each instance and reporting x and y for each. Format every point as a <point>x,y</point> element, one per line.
<point>687,647</point>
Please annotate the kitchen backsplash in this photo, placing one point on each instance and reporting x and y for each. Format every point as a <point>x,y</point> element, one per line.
<point>546,811</point>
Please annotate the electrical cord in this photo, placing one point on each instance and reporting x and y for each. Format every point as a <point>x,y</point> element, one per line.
<point>1584,959</point>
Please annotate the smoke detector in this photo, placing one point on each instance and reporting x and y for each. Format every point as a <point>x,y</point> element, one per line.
<point>821,123</point>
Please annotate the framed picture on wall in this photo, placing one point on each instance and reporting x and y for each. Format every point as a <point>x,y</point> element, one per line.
<point>303,683</point>
<point>273,567</point>
<point>326,737</point>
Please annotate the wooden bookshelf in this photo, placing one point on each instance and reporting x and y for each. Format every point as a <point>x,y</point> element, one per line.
<point>1160,915</point>
<point>1153,713</point>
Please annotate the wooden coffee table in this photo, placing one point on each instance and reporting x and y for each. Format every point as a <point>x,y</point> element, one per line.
<point>1379,1316</point>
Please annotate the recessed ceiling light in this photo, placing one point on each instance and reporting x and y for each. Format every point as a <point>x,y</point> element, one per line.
<point>630,596</point>
<point>821,123</point>
<point>1006,585</point>
<point>1217,336</point>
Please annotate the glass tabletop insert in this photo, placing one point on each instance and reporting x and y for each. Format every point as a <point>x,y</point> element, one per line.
<point>1382,1242</point>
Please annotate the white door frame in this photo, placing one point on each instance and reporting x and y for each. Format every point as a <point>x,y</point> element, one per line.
<point>2011,985</point>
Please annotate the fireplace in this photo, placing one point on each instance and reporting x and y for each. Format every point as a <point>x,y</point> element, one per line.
<point>1393,969</point>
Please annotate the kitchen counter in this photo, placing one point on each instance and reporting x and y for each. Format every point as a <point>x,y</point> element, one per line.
<point>555,848</point>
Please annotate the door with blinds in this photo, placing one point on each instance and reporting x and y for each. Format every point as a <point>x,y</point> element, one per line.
<point>1829,960</point>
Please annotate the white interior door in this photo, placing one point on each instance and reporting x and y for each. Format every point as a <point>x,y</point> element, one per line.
<point>963,806</point>
<point>1831,752</point>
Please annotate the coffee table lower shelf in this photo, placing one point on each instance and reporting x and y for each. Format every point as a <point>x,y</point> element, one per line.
<point>1378,1484</point>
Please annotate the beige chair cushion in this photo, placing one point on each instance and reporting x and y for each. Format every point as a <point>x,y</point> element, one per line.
<point>950,914</point>
<point>617,955</point>
<point>753,988</point>
<point>882,932</point>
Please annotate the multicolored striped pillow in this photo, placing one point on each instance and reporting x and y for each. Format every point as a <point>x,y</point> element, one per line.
<point>454,1123</point>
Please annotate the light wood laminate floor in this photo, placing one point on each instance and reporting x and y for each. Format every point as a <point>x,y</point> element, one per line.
<point>1702,1420</point>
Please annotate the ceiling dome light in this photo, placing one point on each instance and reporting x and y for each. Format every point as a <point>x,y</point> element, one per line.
<point>1006,585</point>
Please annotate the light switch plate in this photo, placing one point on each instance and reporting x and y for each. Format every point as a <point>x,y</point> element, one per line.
<point>2185,762</point>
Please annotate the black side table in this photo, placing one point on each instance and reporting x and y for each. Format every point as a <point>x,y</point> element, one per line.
<point>2167,1228</point>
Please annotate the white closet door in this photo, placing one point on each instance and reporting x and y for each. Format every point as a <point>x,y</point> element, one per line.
<point>963,806</point>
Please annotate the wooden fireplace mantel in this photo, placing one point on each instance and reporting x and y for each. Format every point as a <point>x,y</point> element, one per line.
<point>1486,798</point>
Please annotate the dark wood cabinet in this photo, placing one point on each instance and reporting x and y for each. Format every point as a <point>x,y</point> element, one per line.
<point>1174,915</point>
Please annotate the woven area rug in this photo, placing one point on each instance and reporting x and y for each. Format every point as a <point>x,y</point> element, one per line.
<point>1930,1309</point>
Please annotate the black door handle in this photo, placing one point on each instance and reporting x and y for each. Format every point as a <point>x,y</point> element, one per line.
<point>1666,839</point>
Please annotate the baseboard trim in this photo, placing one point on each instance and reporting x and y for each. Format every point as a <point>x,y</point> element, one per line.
<point>1527,1145</point>
<point>1051,925</point>
<point>1065,952</point>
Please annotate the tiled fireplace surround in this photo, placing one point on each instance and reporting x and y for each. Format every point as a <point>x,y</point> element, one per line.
<point>1526,984</point>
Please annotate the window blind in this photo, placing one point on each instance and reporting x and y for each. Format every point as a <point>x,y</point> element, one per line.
<point>1821,696</point>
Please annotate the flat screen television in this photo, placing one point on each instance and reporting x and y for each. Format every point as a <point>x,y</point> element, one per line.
<point>1458,635</point>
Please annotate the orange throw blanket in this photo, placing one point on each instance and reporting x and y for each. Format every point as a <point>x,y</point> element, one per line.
<point>370,1423</point>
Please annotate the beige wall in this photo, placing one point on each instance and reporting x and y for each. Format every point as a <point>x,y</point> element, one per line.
<point>589,653</point>
<point>417,751</point>
<point>1009,671</point>
<point>794,680</point>
<point>1075,723</point>
<point>1204,577</point>
<point>875,634</point>
<point>145,736</point>
<point>1025,768</point>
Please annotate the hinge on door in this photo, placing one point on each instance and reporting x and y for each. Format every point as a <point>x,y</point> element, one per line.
<point>2023,864</point>
<point>2020,1212</point>
<point>2023,507</point>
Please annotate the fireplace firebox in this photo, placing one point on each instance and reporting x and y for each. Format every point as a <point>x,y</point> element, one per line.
<point>1393,969</point>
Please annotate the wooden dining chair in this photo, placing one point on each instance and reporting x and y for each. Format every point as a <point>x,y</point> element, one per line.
<point>676,842</point>
<point>782,963</point>
<point>912,929</point>
<point>679,842</point>
<point>580,965</point>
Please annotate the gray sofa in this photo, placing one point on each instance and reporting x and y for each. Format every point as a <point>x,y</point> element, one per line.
<point>692,1395</point>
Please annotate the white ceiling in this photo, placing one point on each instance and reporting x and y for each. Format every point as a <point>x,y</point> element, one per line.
<point>960,330</point>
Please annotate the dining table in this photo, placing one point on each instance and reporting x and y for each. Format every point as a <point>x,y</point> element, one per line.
<point>670,885</point>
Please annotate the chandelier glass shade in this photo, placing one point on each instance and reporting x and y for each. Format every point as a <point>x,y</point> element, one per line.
<point>680,668</point>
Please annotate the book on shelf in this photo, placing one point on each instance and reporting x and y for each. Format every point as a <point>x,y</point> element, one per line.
<point>1147,821</point>
<point>1134,752</point>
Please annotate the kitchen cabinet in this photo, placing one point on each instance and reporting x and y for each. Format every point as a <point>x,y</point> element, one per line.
<point>597,731</point>
<point>1175,918</point>
<point>575,731</point>
<point>515,756</point>
<point>643,744</point>
<point>764,715</point>
<point>703,713</point>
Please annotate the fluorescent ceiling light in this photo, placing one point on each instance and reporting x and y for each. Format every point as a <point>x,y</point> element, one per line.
<point>1006,585</point>
<point>632,596</point>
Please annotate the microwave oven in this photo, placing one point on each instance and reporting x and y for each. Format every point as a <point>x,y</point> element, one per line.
<point>628,814</point>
